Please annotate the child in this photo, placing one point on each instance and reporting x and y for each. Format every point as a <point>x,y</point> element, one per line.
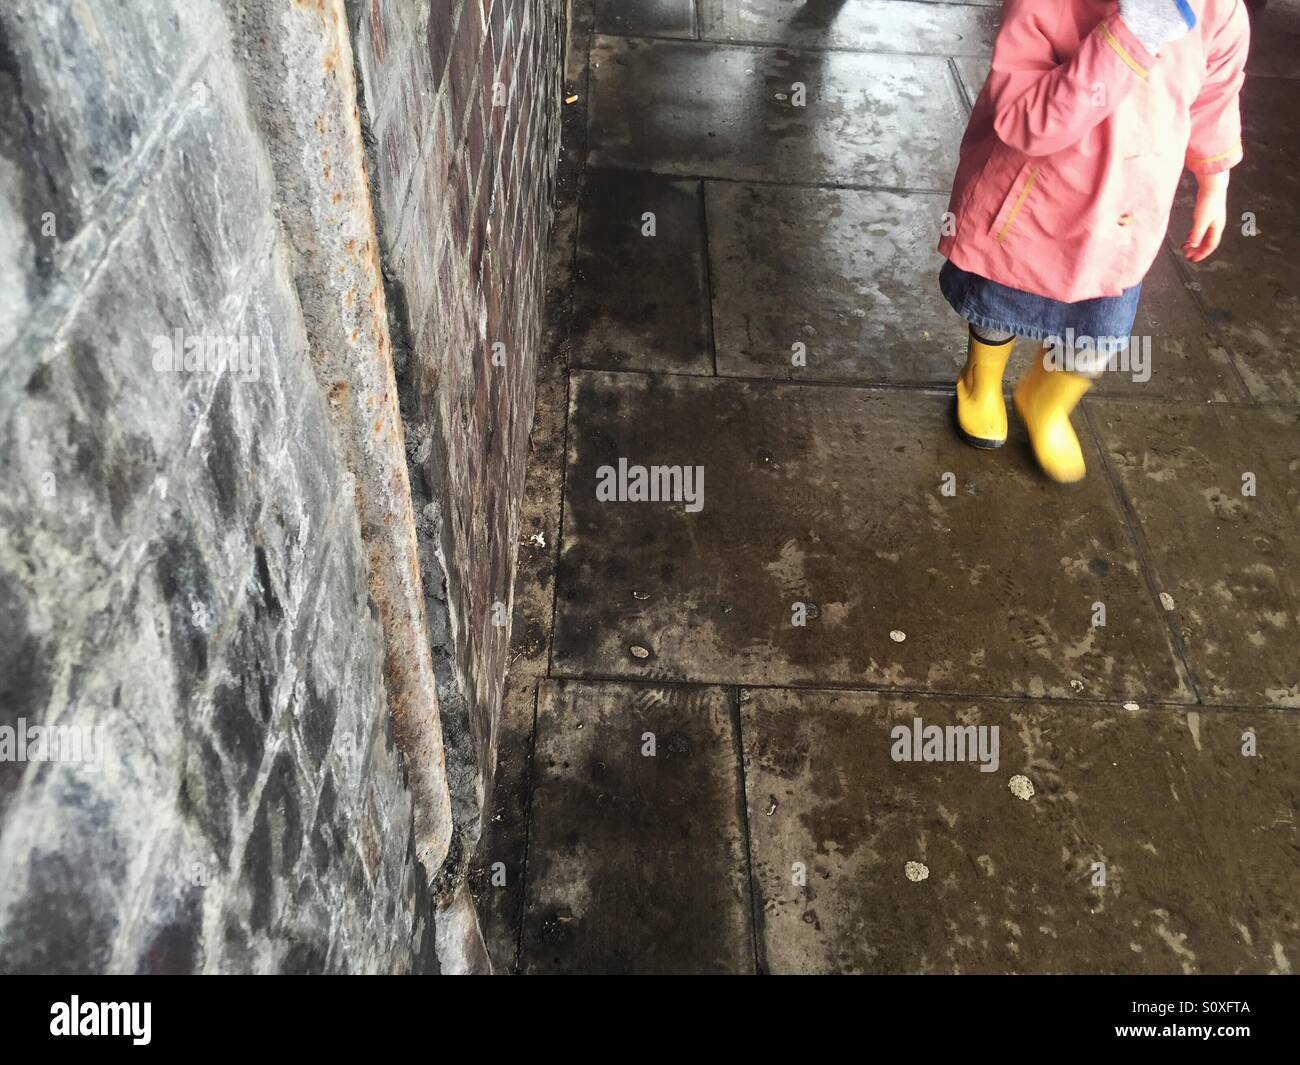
<point>1067,174</point>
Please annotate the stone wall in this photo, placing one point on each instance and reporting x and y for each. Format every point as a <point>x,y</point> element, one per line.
<point>461,100</point>
<point>208,553</point>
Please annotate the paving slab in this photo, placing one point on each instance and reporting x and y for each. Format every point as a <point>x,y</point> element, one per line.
<point>497,871</point>
<point>866,25</point>
<point>1178,355</point>
<point>825,526</point>
<point>1151,843</point>
<point>655,18</point>
<point>972,72</point>
<point>636,852</point>
<point>1228,559</point>
<point>642,297</point>
<point>1251,285</point>
<point>1275,40</point>
<point>709,110</point>
<point>852,276</point>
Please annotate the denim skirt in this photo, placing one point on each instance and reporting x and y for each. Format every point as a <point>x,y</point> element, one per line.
<point>996,307</point>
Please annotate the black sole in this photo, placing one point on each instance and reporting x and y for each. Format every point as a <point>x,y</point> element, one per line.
<point>975,441</point>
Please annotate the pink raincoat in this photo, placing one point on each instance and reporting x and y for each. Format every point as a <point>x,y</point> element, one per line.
<point>1076,144</point>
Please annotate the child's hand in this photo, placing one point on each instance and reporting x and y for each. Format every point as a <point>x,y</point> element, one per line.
<point>1210,217</point>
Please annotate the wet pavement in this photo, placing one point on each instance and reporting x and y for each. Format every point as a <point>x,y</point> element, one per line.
<point>841,694</point>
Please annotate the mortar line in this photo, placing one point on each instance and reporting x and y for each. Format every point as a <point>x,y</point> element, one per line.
<point>929,388</point>
<point>1175,403</point>
<point>755,896</point>
<point>1111,703</point>
<point>790,46</point>
<point>708,274</point>
<point>961,85</point>
<point>829,186</point>
<point>580,163</point>
<point>528,831</point>
<point>1134,527</point>
<point>559,528</point>
<point>1192,287</point>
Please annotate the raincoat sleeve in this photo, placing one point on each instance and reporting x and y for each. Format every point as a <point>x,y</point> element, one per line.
<point>1215,142</point>
<point>1041,105</point>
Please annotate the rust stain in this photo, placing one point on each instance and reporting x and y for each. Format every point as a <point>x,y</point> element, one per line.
<point>378,38</point>
<point>380,484</point>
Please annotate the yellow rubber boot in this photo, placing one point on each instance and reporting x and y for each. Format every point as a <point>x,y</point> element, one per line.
<point>981,414</point>
<point>1044,399</point>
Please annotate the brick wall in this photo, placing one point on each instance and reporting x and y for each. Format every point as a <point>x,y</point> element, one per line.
<point>461,99</point>
<point>206,566</point>
<point>181,562</point>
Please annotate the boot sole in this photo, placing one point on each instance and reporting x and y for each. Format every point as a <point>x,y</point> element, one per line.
<point>981,442</point>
